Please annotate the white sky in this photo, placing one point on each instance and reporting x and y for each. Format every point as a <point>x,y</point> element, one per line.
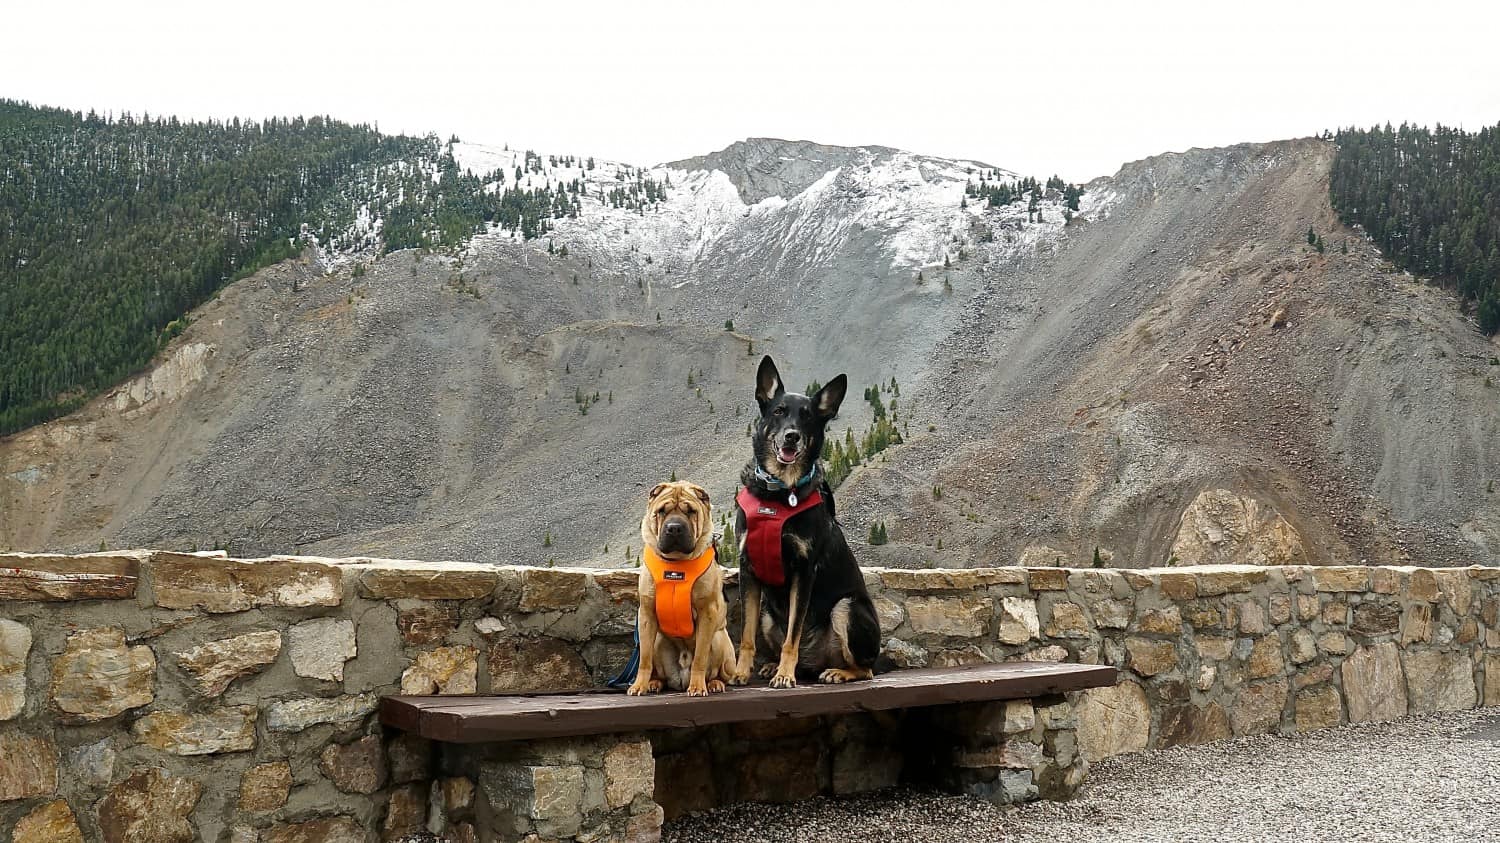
<point>1075,87</point>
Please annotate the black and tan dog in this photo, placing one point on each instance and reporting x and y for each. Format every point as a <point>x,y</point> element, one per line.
<point>799,583</point>
<point>684,642</point>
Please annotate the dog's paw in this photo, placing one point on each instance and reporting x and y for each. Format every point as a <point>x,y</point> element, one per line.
<point>716,687</point>
<point>766,671</point>
<point>641,689</point>
<point>784,680</point>
<point>697,688</point>
<point>838,676</point>
<point>739,678</point>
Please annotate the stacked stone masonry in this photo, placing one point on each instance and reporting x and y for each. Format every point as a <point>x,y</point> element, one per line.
<point>152,696</point>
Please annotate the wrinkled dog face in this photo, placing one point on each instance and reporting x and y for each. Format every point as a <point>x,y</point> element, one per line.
<point>678,522</point>
<point>789,435</point>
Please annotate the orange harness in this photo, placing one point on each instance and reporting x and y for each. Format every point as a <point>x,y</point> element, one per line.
<point>674,589</point>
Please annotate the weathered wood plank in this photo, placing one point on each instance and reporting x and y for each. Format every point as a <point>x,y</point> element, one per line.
<point>43,577</point>
<point>471,719</point>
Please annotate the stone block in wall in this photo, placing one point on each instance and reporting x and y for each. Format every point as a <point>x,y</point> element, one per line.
<point>1111,614</point>
<point>536,664</point>
<point>355,767</point>
<point>1047,579</point>
<point>1190,724</point>
<point>890,613</point>
<point>98,676</point>
<point>961,579</point>
<point>1457,589</point>
<point>1492,679</point>
<point>445,670</point>
<point>1416,624</point>
<point>552,589</point>
<point>151,804</point>
<point>49,822</point>
<point>1252,617</point>
<point>265,787</point>
<point>410,758</point>
<point>405,812</point>
<point>1113,720</point>
<point>229,729</point>
<point>1318,707</point>
<point>1374,683</point>
<point>294,715</point>
<point>1149,657</point>
<point>1167,621</point>
<point>543,798</point>
<point>1371,618</point>
<point>1068,620</point>
<point>1265,657</point>
<point>1018,620</point>
<point>15,646</point>
<point>215,664</point>
<point>427,624</point>
<point>629,772</point>
<point>1422,584</point>
<point>185,581</point>
<point>1214,580</point>
<point>1302,647</point>
<point>1258,707</point>
<point>54,578</point>
<point>92,764</point>
<point>321,646</point>
<point>427,581</point>
<point>1385,580</point>
<point>30,767</point>
<point>1440,681</point>
<point>1341,578</point>
<point>337,829</point>
<point>958,617</point>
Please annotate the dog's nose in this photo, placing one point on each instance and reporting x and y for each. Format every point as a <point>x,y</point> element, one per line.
<point>792,436</point>
<point>675,529</point>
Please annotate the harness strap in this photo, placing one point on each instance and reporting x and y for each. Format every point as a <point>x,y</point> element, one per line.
<point>674,589</point>
<point>764,521</point>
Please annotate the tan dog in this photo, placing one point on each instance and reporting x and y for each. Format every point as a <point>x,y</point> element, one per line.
<point>684,642</point>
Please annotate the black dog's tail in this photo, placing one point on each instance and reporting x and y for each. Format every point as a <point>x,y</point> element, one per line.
<point>863,634</point>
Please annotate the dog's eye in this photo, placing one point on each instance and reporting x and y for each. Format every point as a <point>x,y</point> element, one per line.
<point>779,411</point>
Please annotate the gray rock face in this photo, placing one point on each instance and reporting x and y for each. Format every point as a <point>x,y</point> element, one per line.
<point>765,167</point>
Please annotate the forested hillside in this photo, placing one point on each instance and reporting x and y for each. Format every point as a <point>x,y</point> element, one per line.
<point>111,230</point>
<point>1431,199</point>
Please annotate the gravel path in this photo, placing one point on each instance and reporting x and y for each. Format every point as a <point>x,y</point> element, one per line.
<point>1428,778</point>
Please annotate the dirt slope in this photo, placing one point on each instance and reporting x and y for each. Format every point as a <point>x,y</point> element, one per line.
<point>1085,383</point>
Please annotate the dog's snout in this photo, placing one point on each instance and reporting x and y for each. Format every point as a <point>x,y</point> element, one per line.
<point>792,437</point>
<point>674,529</point>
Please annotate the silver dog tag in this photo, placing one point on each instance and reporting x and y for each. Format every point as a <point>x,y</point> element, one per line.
<point>792,499</point>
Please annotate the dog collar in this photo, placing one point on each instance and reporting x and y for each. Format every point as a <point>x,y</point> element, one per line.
<point>773,482</point>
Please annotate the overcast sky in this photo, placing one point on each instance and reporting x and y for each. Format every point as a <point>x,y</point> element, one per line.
<point>1075,88</point>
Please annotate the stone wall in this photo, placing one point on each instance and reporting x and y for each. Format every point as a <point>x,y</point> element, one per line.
<point>150,696</point>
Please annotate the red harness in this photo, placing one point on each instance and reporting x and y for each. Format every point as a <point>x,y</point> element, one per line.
<point>763,524</point>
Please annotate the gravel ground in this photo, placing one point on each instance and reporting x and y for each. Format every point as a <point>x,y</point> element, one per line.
<point>1428,778</point>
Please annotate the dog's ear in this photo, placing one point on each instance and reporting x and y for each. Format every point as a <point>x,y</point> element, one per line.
<point>828,399</point>
<point>702,493</point>
<point>768,386</point>
<point>656,490</point>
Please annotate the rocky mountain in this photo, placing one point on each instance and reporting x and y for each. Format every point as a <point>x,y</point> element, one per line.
<point>1172,374</point>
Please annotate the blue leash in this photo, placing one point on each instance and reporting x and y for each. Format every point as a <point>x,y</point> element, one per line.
<point>633,664</point>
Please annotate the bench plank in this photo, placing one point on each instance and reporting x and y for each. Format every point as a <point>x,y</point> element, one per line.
<point>474,719</point>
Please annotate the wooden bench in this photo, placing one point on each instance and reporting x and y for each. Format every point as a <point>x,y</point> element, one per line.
<point>604,766</point>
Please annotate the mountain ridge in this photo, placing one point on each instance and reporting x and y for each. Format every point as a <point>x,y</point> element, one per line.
<point>440,405</point>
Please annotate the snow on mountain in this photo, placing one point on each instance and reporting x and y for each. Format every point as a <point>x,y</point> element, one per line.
<point>912,203</point>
